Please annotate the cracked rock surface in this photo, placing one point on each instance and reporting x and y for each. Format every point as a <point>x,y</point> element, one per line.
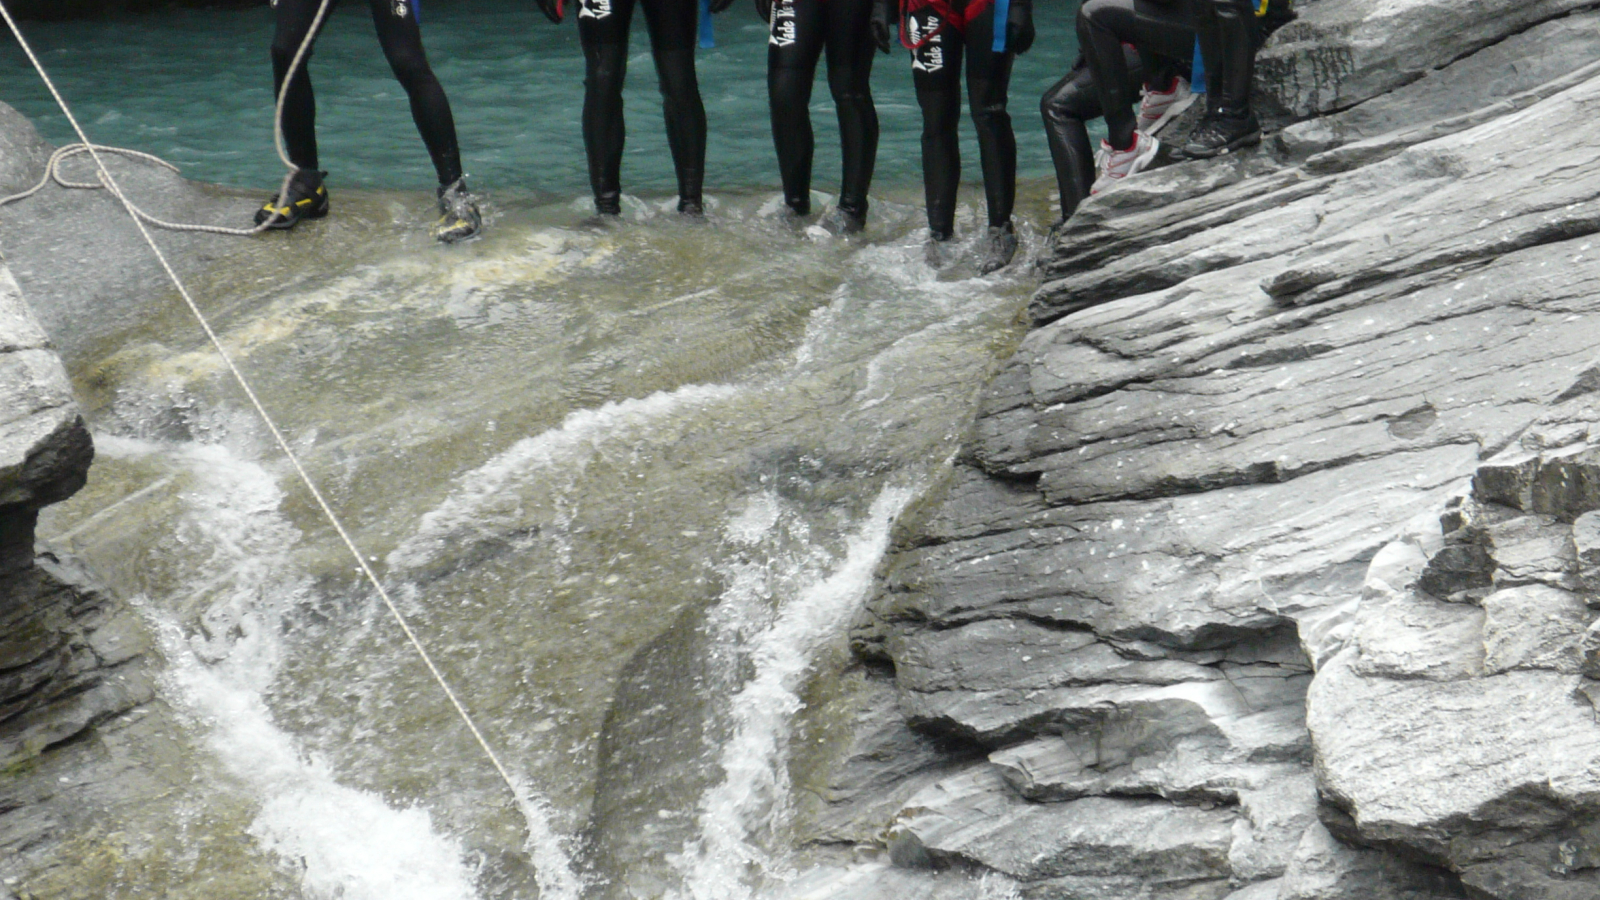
<point>1270,570</point>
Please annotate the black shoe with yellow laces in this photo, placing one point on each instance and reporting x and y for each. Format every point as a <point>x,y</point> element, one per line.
<point>459,218</point>
<point>307,198</point>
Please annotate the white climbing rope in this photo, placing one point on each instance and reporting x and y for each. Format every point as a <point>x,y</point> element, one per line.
<point>139,220</point>
<point>52,169</point>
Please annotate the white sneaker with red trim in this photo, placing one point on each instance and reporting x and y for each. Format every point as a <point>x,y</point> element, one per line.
<point>1116,165</point>
<point>1157,108</point>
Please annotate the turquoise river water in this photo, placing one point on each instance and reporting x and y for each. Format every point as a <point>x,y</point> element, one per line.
<point>194,87</point>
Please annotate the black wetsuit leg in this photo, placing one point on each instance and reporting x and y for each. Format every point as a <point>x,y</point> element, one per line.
<point>800,31</point>
<point>291,22</point>
<point>674,34</point>
<point>850,54</point>
<point>400,35</point>
<point>1157,28</point>
<point>936,74</point>
<point>988,82</point>
<point>795,38</point>
<point>401,39</point>
<point>1229,33</point>
<point>603,29</point>
<point>1067,107</point>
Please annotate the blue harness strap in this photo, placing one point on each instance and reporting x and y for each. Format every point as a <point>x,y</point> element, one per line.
<point>708,37</point>
<point>1002,8</point>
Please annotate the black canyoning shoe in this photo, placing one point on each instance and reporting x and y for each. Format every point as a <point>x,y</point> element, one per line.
<point>459,219</point>
<point>1222,131</point>
<point>307,199</point>
<point>998,248</point>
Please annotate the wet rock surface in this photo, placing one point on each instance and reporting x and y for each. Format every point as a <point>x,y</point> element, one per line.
<point>72,658</point>
<point>1281,522</point>
<point>44,445</point>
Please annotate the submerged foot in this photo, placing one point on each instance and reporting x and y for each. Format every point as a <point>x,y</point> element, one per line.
<point>306,198</point>
<point>692,208</point>
<point>840,222</point>
<point>459,218</point>
<point>940,251</point>
<point>999,246</point>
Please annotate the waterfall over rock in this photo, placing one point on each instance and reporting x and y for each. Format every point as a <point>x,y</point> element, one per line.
<point>1255,555</point>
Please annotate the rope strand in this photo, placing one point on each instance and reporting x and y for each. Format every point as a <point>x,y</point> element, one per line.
<point>139,220</point>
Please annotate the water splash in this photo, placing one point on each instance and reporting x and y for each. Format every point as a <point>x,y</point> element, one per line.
<point>346,843</point>
<point>754,792</point>
<point>484,506</point>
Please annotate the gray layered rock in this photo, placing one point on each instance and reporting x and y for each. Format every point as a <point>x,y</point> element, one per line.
<point>45,448</point>
<point>1484,763</point>
<point>71,657</point>
<point>1285,425</point>
<point>1339,53</point>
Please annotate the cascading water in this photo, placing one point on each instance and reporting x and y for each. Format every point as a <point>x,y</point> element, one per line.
<point>628,483</point>
<point>625,500</point>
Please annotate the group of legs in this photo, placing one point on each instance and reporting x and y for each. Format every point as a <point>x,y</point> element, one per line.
<point>942,34</point>
<point>1125,44</point>
<point>1131,47</point>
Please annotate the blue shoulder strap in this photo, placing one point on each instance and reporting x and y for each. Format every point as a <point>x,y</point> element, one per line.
<point>708,38</point>
<point>1002,9</point>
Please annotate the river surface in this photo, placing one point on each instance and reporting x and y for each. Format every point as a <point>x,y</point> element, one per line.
<point>194,87</point>
<point>628,483</point>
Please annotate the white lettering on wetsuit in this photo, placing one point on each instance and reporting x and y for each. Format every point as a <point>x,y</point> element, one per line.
<point>594,9</point>
<point>784,29</point>
<point>929,55</point>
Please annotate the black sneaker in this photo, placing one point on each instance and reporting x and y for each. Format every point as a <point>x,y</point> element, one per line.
<point>998,248</point>
<point>307,198</point>
<point>1222,131</point>
<point>692,209</point>
<point>459,219</point>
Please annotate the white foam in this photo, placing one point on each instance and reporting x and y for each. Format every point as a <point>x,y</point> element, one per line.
<point>754,792</point>
<point>347,843</point>
<point>483,504</point>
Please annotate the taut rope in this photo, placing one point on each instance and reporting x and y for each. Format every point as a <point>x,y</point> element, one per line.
<point>139,220</point>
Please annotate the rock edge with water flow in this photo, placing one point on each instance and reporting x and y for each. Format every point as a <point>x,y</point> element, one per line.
<point>1268,573</point>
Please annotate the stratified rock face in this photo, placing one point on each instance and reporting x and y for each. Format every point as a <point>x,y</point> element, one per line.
<point>70,657</point>
<point>1271,448</point>
<point>1341,52</point>
<point>1480,749</point>
<point>45,448</point>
